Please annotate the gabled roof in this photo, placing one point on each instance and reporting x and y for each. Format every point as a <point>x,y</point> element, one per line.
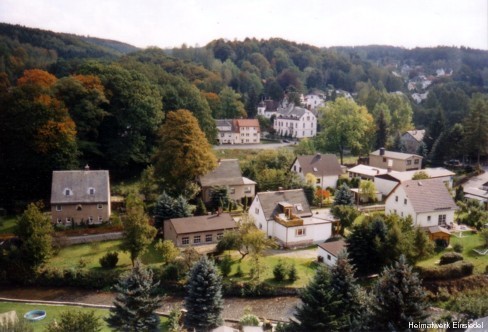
<point>436,229</point>
<point>428,195</point>
<point>270,202</point>
<point>223,123</point>
<point>418,135</point>
<point>205,223</point>
<point>319,164</point>
<point>395,155</point>
<point>227,173</point>
<point>79,183</point>
<point>334,247</point>
<point>292,111</point>
<point>247,122</point>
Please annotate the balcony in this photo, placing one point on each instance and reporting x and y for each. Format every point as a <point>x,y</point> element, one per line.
<point>288,220</point>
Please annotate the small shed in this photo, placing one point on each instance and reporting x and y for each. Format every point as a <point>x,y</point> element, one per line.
<point>328,252</point>
<point>438,233</point>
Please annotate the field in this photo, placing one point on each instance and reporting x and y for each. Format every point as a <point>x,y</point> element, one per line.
<point>7,224</point>
<point>469,242</point>
<point>54,311</point>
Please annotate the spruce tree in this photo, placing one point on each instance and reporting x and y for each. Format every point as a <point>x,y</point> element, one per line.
<point>398,298</point>
<point>200,210</point>
<point>343,196</point>
<point>318,311</point>
<point>381,130</point>
<point>137,299</point>
<point>204,303</point>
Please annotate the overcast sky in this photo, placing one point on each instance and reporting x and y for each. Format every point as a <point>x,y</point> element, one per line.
<point>164,23</point>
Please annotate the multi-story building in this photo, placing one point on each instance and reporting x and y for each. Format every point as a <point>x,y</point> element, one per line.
<point>295,122</point>
<point>238,131</point>
<point>396,161</point>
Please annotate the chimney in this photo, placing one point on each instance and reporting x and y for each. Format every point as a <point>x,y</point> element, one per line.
<point>87,168</point>
<point>390,165</point>
<point>382,151</point>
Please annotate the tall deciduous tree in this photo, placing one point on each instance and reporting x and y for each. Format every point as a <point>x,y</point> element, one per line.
<point>184,153</point>
<point>137,233</point>
<point>230,105</point>
<point>398,298</point>
<point>345,125</point>
<point>203,302</point>
<point>476,125</point>
<point>136,301</point>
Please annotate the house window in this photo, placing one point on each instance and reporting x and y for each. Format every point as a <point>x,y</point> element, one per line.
<point>295,168</point>
<point>68,192</point>
<point>394,211</point>
<point>208,237</point>
<point>328,257</point>
<point>68,219</point>
<point>256,210</point>
<point>247,190</point>
<point>59,208</point>
<point>300,169</point>
<point>300,232</point>
<point>220,236</point>
<point>58,220</point>
<point>428,218</point>
<point>90,219</point>
<point>79,207</point>
<point>416,161</point>
<point>405,201</point>
<point>222,135</point>
<point>100,219</point>
<point>196,239</point>
<point>260,226</point>
<point>185,240</point>
<point>91,191</point>
<point>318,180</point>
<point>396,198</point>
<point>409,162</point>
<point>442,219</point>
<point>384,159</point>
<point>232,190</point>
<point>99,206</point>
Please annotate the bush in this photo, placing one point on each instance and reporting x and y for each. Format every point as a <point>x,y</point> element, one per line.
<point>238,273</point>
<point>292,273</point>
<point>279,271</point>
<point>171,272</point>
<point>450,257</point>
<point>110,260</point>
<point>458,247</point>
<point>225,265</point>
<point>455,270</point>
<point>249,320</point>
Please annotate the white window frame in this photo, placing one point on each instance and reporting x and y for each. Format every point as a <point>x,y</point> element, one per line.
<point>197,239</point>
<point>208,236</point>
<point>59,208</point>
<point>185,240</point>
<point>300,232</point>
<point>99,206</point>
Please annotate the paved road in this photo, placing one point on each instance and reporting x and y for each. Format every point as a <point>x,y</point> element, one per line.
<point>271,146</point>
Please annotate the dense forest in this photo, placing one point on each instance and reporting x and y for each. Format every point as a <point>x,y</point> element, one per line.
<point>67,101</point>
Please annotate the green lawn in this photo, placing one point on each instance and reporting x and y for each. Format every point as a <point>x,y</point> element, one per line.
<point>7,224</point>
<point>469,242</point>
<point>305,269</point>
<point>69,257</point>
<point>54,311</point>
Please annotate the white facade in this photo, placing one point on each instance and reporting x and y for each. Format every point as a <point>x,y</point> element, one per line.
<point>398,203</point>
<point>296,126</point>
<point>326,257</point>
<point>384,186</point>
<point>323,181</point>
<point>238,131</point>
<point>313,102</point>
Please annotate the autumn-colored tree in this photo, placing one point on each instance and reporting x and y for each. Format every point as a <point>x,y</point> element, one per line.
<point>183,155</point>
<point>213,101</point>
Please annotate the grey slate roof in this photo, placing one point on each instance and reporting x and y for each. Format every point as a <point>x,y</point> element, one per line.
<point>334,247</point>
<point>291,111</point>
<point>227,173</point>
<point>206,223</point>
<point>270,202</point>
<point>325,164</point>
<point>395,155</point>
<point>428,195</point>
<point>418,135</point>
<point>79,182</point>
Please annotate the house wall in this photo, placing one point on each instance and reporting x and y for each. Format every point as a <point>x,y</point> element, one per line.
<point>257,214</point>
<point>423,218</point>
<point>239,192</point>
<point>385,186</point>
<point>289,236</point>
<point>177,239</point>
<point>305,126</point>
<point>87,211</point>
<point>327,257</point>
<point>249,135</point>
<point>325,181</point>
<point>400,165</point>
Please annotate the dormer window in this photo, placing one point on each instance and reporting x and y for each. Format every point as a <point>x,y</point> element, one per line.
<point>68,192</point>
<point>91,191</point>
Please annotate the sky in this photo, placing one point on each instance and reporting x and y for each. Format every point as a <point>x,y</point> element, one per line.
<point>323,23</point>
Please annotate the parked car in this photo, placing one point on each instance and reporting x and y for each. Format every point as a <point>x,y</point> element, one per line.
<point>454,163</point>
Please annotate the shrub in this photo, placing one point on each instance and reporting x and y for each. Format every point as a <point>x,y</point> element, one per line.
<point>171,272</point>
<point>238,273</point>
<point>225,265</point>
<point>110,260</point>
<point>292,273</point>
<point>445,272</point>
<point>279,271</point>
<point>458,247</point>
<point>249,320</point>
<point>450,257</point>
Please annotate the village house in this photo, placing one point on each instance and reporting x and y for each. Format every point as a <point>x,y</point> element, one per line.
<point>227,174</point>
<point>387,181</point>
<point>238,131</point>
<point>365,172</point>
<point>200,230</point>
<point>428,202</point>
<point>81,196</point>
<point>396,161</point>
<point>328,252</point>
<point>267,108</point>
<point>412,139</point>
<point>296,122</point>
<point>313,101</point>
<point>325,167</point>
<point>286,216</point>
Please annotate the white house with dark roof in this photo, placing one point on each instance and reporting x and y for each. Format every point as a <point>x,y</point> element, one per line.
<point>286,216</point>
<point>199,230</point>
<point>428,202</point>
<point>81,196</point>
<point>412,139</point>
<point>396,161</point>
<point>296,122</point>
<point>227,174</point>
<point>328,252</point>
<point>325,167</point>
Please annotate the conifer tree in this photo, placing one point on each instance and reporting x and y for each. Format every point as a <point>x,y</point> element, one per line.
<point>137,299</point>
<point>318,311</point>
<point>343,196</point>
<point>398,298</point>
<point>200,210</point>
<point>203,302</point>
